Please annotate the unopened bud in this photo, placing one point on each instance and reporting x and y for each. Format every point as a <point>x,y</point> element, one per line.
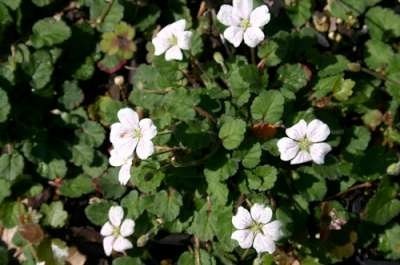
<point>119,80</point>
<point>218,58</point>
<point>393,169</point>
<point>354,67</point>
<point>142,240</point>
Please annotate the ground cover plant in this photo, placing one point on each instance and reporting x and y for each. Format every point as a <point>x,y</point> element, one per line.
<point>199,132</point>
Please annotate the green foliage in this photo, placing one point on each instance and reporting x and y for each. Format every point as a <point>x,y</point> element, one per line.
<point>68,67</point>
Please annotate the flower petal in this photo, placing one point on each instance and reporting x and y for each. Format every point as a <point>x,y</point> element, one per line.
<point>318,152</point>
<point>273,229</point>
<point>107,229</point>
<point>145,148</point>
<point>242,219</point>
<point>121,244</point>
<point>118,131</point>
<point>116,159</point>
<point>260,213</point>
<point>125,147</point>
<point>160,45</point>
<point>317,131</point>
<point>227,17</point>
<point>173,53</point>
<point>260,16</point>
<point>253,36</point>
<point>297,131</point>
<point>244,237</point>
<point>263,243</point>
<point>234,35</point>
<point>115,215</point>
<point>288,148</point>
<point>128,117</point>
<point>301,157</point>
<point>184,40</point>
<point>177,26</point>
<point>108,244</point>
<point>127,227</point>
<point>124,174</point>
<point>147,128</point>
<point>244,7</point>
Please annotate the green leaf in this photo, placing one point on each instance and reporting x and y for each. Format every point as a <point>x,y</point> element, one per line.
<point>127,261</point>
<point>378,54</point>
<point>11,166</point>
<point>48,32</point>
<point>383,23</point>
<point>42,3</point>
<point>360,140</point>
<point>268,106</point>
<point>76,187</point>
<point>383,206</point>
<point>188,258</point>
<point>292,76</point>
<point>148,176</point>
<point>249,154</point>
<point>106,110</point>
<point>299,12</point>
<point>82,154</point>
<point>389,242</point>
<point>345,8</point>
<point>56,168</point>
<point>345,90</point>
<point>72,96</point>
<point>111,13</point>
<point>91,133</point>
<point>13,4</point>
<point>167,205</point>
<point>54,214</point>
<point>10,213</point>
<point>40,68</point>
<point>131,202</point>
<point>201,225</point>
<point>232,133</point>
<point>268,51</point>
<point>261,178</point>
<point>97,212</point>
<point>5,189</point>
<point>220,167</point>
<point>109,184</point>
<point>4,106</point>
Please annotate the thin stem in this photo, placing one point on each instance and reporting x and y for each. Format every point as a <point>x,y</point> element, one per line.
<point>253,55</point>
<point>205,114</point>
<point>244,255</point>
<point>355,187</point>
<point>167,149</point>
<point>378,75</point>
<point>196,250</point>
<point>165,132</point>
<point>105,13</point>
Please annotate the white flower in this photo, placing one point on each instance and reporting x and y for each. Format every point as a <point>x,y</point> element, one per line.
<point>243,22</point>
<point>305,142</point>
<point>255,229</point>
<point>115,230</point>
<point>171,39</point>
<point>117,160</point>
<point>129,134</point>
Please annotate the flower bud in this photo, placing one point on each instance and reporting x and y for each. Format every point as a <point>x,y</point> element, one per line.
<point>119,80</point>
<point>393,169</point>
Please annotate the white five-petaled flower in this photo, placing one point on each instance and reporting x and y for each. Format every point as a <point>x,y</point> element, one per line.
<point>256,229</point>
<point>243,22</point>
<point>172,39</point>
<point>129,134</point>
<point>305,142</point>
<point>115,231</point>
<point>117,160</point>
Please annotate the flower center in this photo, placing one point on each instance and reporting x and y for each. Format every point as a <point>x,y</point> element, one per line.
<point>173,40</point>
<point>115,231</point>
<point>137,133</point>
<point>245,24</point>
<point>256,228</point>
<point>304,144</point>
